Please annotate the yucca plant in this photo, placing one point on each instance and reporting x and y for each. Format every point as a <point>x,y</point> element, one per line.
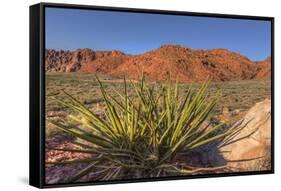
<point>142,135</point>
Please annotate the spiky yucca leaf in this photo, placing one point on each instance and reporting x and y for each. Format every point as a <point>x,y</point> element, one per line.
<point>141,136</point>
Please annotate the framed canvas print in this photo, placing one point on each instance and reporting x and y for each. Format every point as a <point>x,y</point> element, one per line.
<point>127,95</point>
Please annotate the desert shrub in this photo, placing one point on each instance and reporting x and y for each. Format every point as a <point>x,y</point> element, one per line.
<point>143,136</point>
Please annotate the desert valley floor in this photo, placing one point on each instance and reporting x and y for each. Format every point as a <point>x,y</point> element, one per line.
<point>236,98</point>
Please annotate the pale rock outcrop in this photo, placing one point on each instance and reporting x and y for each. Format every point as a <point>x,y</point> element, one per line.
<point>250,149</point>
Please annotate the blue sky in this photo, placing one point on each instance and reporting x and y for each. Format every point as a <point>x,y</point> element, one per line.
<point>135,33</point>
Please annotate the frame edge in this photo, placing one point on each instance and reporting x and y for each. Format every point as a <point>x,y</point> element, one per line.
<point>34,97</point>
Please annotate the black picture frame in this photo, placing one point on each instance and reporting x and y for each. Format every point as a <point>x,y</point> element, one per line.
<point>37,92</point>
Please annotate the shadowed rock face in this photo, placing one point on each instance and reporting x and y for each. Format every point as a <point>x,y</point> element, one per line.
<point>82,60</point>
<point>250,150</point>
<point>187,65</point>
<point>264,68</point>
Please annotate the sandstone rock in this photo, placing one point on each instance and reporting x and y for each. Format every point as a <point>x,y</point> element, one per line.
<point>56,114</point>
<point>224,117</point>
<point>187,65</point>
<point>225,111</point>
<point>264,69</point>
<point>250,149</point>
<point>74,66</point>
<point>235,112</point>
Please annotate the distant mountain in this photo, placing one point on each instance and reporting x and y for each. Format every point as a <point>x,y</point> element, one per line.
<point>187,65</point>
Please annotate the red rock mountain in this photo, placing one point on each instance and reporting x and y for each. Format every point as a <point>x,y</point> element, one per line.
<point>187,65</point>
<point>264,68</point>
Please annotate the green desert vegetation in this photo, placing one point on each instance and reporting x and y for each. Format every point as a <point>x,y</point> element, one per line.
<point>234,95</point>
<point>143,130</point>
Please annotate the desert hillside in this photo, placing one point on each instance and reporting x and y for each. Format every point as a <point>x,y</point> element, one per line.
<point>186,64</point>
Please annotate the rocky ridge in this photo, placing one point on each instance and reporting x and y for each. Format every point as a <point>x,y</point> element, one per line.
<point>186,64</point>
